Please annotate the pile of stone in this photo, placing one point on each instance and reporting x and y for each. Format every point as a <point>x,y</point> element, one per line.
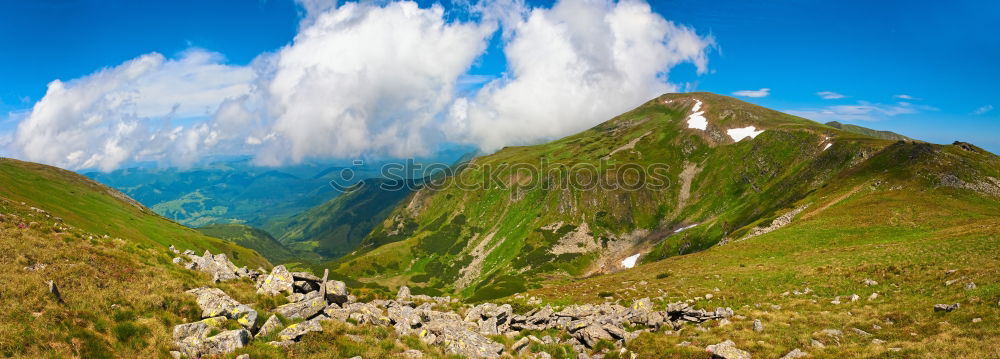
<point>218,266</point>
<point>314,300</point>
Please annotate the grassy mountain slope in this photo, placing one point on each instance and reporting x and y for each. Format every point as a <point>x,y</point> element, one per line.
<point>912,218</point>
<point>510,236</point>
<point>255,239</point>
<point>885,135</point>
<point>109,258</point>
<point>336,227</point>
<point>98,209</point>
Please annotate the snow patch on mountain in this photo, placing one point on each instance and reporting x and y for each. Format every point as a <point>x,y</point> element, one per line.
<point>679,230</point>
<point>630,261</point>
<point>740,133</point>
<point>697,118</point>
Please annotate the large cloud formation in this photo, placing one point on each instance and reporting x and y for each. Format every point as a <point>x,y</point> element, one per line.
<point>368,78</point>
<point>572,66</point>
<point>103,120</point>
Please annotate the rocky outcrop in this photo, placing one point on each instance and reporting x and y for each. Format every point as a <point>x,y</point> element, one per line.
<point>214,302</point>
<point>314,300</point>
<point>218,266</point>
<point>225,342</point>
<point>278,281</point>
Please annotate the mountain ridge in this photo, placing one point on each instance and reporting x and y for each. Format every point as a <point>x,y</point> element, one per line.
<point>480,243</point>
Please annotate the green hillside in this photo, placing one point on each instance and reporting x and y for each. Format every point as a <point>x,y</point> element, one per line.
<point>256,239</point>
<point>108,256</point>
<point>885,135</point>
<point>920,221</point>
<point>336,227</point>
<point>511,236</point>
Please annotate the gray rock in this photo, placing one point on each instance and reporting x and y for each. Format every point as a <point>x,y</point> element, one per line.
<point>521,344</point>
<point>269,326</point>
<point>305,276</point>
<point>868,282</point>
<point>336,292</point>
<point>403,294</point>
<point>294,331</point>
<point>413,354</point>
<point>795,353</point>
<point>970,286</point>
<point>758,326</point>
<point>305,309</point>
<point>817,344</point>
<point>946,307</point>
<point>218,266</point>
<point>281,343</point>
<point>590,335</point>
<point>55,291</point>
<point>197,329</point>
<point>278,281</point>
<point>727,350</point>
<point>225,342</point>
<point>243,356</point>
<point>860,332</point>
<point>457,338</point>
<point>215,302</point>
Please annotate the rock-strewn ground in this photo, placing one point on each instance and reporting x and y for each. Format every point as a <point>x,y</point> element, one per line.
<point>466,331</point>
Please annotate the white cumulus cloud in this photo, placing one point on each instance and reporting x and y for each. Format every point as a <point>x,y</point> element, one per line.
<point>861,111</point>
<point>983,110</point>
<point>367,79</point>
<point>764,92</point>
<point>116,114</point>
<point>572,66</point>
<point>830,95</point>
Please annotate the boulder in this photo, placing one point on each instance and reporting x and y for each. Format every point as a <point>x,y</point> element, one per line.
<point>218,266</point>
<point>222,343</point>
<point>197,329</point>
<point>279,280</point>
<point>591,334</point>
<point>403,294</point>
<point>269,326</point>
<point>305,276</point>
<point>945,307</point>
<point>727,350</point>
<point>336,292</point>
<point>458,339</point>
<point>294,331</point>
<point>215,302</point>
<point>304,309</point>
<point>794,354</point>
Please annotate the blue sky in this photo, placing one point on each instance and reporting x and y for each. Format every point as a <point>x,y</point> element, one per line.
<point>927,69</point>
